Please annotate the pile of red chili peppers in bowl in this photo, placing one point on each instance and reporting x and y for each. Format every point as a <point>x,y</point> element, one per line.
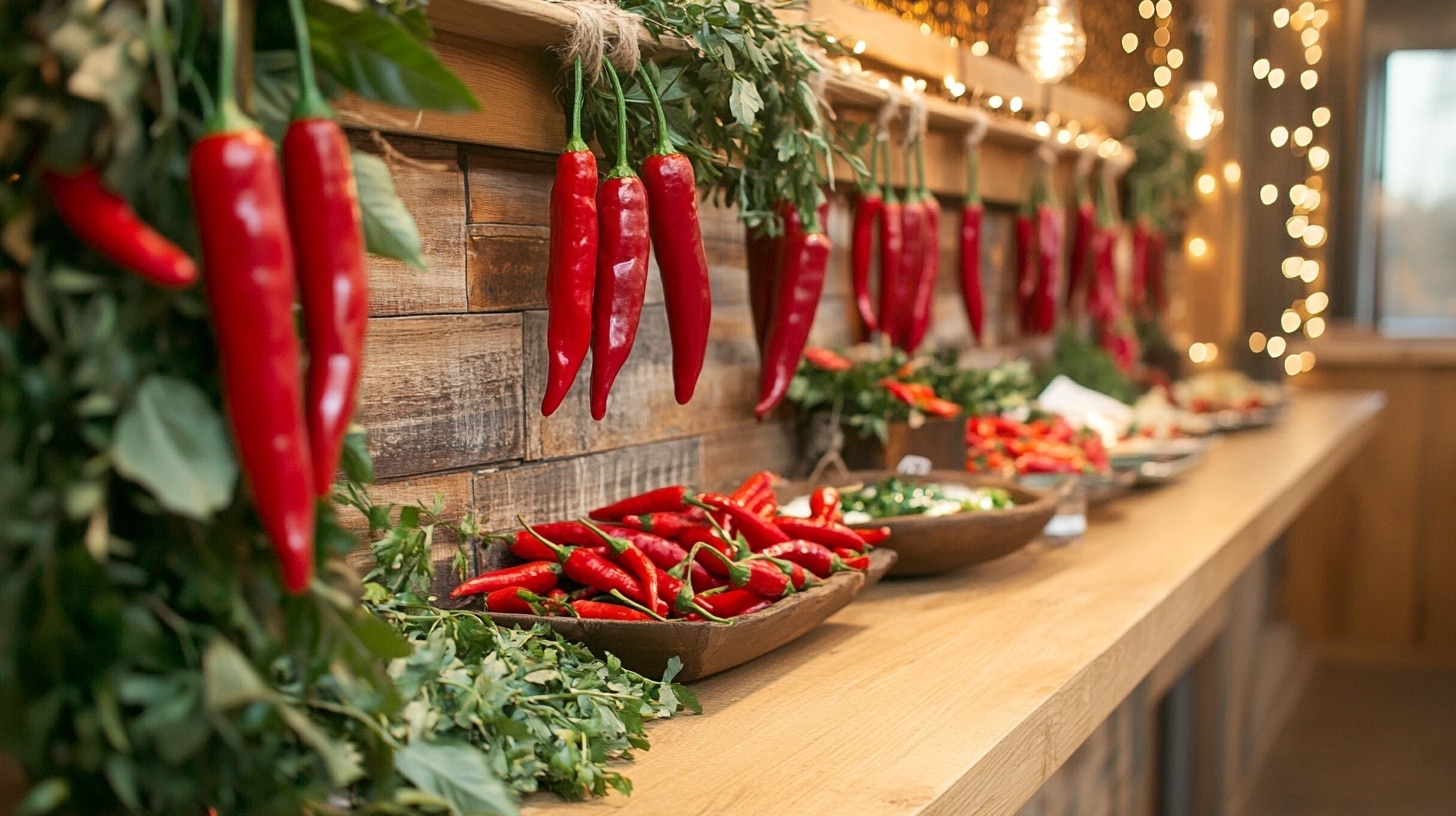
<point>673,554</point>
<point>262,241</point>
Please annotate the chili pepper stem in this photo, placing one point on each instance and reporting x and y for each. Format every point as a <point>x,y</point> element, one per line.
<point>889,188</point>
<point>622,169</point>
<point>664,143</point>
<point>576,144</point>
<point>227,116</point>
<point>617,593</point>
<point>973,176</point>
<point>618,545</point>
<point>685,595</point>
<point>311,104</point>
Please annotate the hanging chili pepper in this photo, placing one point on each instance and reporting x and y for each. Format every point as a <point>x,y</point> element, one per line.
<point>892,248</point>
<point>537,576</point>
<point>237,191</point>
<point>900,323</point>
<point>1081,259</point>
<point>572,259</point>
<point>972,216</point>
<point>765,257</point>
<point>327,228</point>
<point>622,254</point>
<point>1141,237</point>
<point>663,499</point>
<point>868,207</point>
<point>1049,230</point>
<point>672,196</point>
<point>923,305</point>
<point>105,222</point>
<point>806,258</point>
<point>1026,267</point>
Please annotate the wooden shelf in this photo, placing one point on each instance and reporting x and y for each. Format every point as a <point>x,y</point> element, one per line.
<point>964,693</point>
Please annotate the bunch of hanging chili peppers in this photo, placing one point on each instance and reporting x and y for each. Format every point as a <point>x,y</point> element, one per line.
<point>1110,318</point>
<point>1040,228</point>
<point>792,268</point>
<point>601,238</point>
<point>261,240</point>
<point>672,553</point>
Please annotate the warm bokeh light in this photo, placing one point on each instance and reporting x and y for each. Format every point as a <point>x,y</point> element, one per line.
<point>1293,365</point>
<point>1155,98</point>
<point>1309,79</point>
<point>1261,68</point>
<point>1161,38</point>
<point>1306,360</point>
<point>1165,9</point>
<point>1268,194</point>
<point>1206,183</point>
<point>1289,321</point>
<point>1320,116</point>
<point>1314,236</point>
<point>1175,58</point>
<point>1042,129</point>
<point>1198,353</point>
<point>1313,54</point>
<point>1145,9</point>
<point>1317,302</point>
<point>1296,194</point>
<point>1015,104</point>
<point>1290,266</point>
<point>859,47</point>
<point>1309,37</point>
<point>1232,173</point>
<point>1309,272</point>
<point>1276,346</point>
<point>1312,200</point>
<point>1279,136</point>
<point>1162,75</point>
<point>1314,327</point>
<point>1197,247</point>
<point>1137,101</point>
<point>1297,225</point>
<point>1281,17</point>
<point>1276,77</point>
<point>1257,341</point>
<point>980,48</point>
<point>1319,158</point>
<point>1083,141</point>
<point>1129,42</point>
<point>1303,136</point>
<point>995,102</point>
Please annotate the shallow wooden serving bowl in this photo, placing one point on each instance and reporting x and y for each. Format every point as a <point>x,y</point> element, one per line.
<point>703,646</point>
<point>930,545</point>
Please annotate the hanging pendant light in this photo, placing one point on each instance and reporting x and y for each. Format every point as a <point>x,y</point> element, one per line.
<point>1051,43</point>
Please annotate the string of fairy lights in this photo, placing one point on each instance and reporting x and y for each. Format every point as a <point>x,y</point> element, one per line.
<point>1306,222</point>
<point>1164,59</point>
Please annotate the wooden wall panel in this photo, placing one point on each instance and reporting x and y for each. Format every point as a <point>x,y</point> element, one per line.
<point>730,456</point>
<point>442,392</point>
<point>506,267</point>
<point>567,488</point>
<point>432,186</point>
<point>1436,614</point>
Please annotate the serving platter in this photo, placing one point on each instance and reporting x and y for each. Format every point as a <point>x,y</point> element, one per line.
<point>931,545</point>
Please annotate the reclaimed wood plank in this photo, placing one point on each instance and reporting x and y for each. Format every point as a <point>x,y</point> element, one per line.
<point>730,456</point>
<point>506,267</point>
<point>568,488</point>
<point>432,186</point>
<point>509,186</point>
<point>1437,553</point>
<point>442,392</point>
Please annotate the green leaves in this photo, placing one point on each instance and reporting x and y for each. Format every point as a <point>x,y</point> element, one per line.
<point>745,103</point>
<point>377,57</point>
<point>459,775</point>
<point>389,229</point>
<point>173,442</point>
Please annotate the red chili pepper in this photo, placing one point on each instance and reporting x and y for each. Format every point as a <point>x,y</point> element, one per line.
<point>596,571</point>
<point>571,263</point>
<point>1078,268</point>
<point>237,192</point>
<point>1025,269</point>
<point>898,324</point>
<point>708,538</point>
<point>105,222</point>
<point>622,252</point>
<point>1102,302</point>
<point>873,535</point>
<point>762,578</point>
<point>814,557</point>
<point>636,562</point>
<point>537,576</point>
<point>595,610</point>
<point>824,505</point>
<point>806,257</point>
<point>758,532</point>
<point>328,243</point>
<point>508,601</point>
<point>922,303</point>
<point>730,604</point>
<point>678,241</point>
<point>827,360</point>
<point>666,524</point>
<point>754,486</point>
<point>868,208</point>
<point>765,257</point>
<point>1157,262</point>
<point>674,498</point>
<point>1049,229</point>
<point>1141,235</point>
<point>857,562</point>
<point>820,533</point>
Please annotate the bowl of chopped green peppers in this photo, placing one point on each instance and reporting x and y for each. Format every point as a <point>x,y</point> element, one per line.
<point>943,521</point>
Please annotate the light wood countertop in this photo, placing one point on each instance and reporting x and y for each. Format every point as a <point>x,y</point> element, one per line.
<point>961,694</point>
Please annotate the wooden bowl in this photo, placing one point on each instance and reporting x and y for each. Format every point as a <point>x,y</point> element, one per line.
<point>930,545</point>
<point>705,647</point>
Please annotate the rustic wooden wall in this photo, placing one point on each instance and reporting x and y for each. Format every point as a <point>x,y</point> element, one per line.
<point>457,357</point>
